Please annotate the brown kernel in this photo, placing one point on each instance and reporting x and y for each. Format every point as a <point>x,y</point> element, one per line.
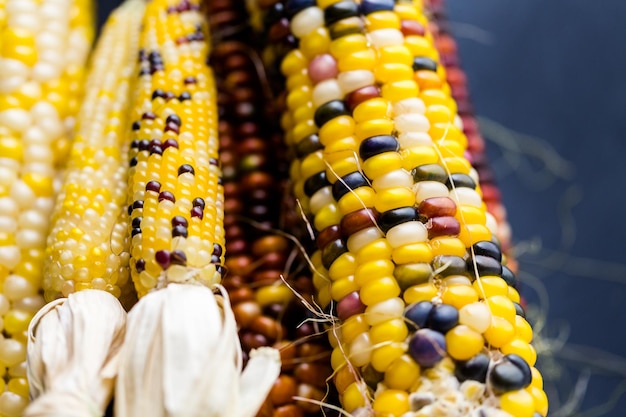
<point>284,389</point>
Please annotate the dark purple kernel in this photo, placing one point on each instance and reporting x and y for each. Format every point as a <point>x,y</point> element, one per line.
<point>220,181</point>
<point>158,93</point>
<point>166,195</point>
<point>140,265</point>
<point>474,369</point>
<point>142,55</point>
<point>179,230</point>
<point>130,209</point>
<point>144,71</point>
<point>427,347</point>
<point>163,258</point>
<point>179,257</point>
<point>417,314</point>
<point>170,143</point>
<point>138,204</point>
<point>169,95</point>
<point>215,259</point>
<point>173,118</point>
<point>148,116</point>
<point>185,95</point>
<point>213,161</point>
<point>179,221</point>
<point>156,68</point>
<point>153,186</point>
<point>197,212</point>
<point>136,222</point>
<point>135,231</point>
<point>136,125</point>
<point>217,249</point>
<point>198,202</point>
<point>133,161</point>
<point>442,318</point>
<point>144,145</point>
<point>185,168</point>
<point>221,270</point>
<point>172,10</point>
<point>134,144</point>
<point>155,142</point>
<point>511,374</point>
<point>190,80</point>
<point>156,150</point>
<point>172,128</point>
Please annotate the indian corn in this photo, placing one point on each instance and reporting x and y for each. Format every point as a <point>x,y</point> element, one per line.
<point>430,318</point>
<point>43,48</point>
<point>175,191</point>
<point>88,244</point>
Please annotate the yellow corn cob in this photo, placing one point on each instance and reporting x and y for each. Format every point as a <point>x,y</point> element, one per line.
<point>400,220</point>
<point>88,243</point>
<point>43,49</point>
<point>175,191</point>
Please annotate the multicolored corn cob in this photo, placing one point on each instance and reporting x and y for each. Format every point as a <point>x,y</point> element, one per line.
<point>175,190</point>
<point>254,165</point>
<point>88,246</point>
<point>430,319</point>
<point>43,49</point>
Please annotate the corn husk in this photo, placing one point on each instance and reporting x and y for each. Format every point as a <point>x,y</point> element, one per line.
<point>182,358</point>
<point>72,355</point>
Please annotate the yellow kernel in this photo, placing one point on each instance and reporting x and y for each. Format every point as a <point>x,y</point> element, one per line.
<point>18,386</point>
<point>513,295</point>
<point>503,307</point>
<point>473,233</point>
<point>371,270</point>
<point>293,62</point>
<point>16,321</point>
<point>540,399</point>
<point>393,330</point>
<point>373,127</point>
<point>420,292</point>
<point>353,397</point>
<point>518,403</point>
<point>418,155</point>
<point>391,198</point>
<point>348,44</point>
<point>41,185</point>
<point>327,216</point>
<point>523,330</point>
<point>385,19</point>
<point>384,356</point>
<point>381,164</point>
<point>391,402</point>
<point>399,90</point>
<point>336,129</point>
<point>378,290</point>
<point>500,332</point>
<point>463,343</point>
<point>377,249</point>
<point>459,295</point>
<point>337,358</point>
<point>488,286</point>
<point>364,59</point>
<point>443,245</point>
<point>375,108</point>
<point>343,266</point>
<point>411,253</point>
<point>357,199</point>
<point>11,148</point>
<point>470,215</point>
<point>273,294</point>
<point>315,43</point>
<point>393,72</point>
<point>402,373</point>
<point>353,327</point>
<point>342,287</point>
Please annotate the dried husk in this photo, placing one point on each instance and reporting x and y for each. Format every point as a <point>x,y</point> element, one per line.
<point>72,355</point>
<point>182,358</point>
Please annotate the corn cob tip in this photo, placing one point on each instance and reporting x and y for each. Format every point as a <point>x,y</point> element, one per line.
<point>187,337</point>
<point>72,354</point>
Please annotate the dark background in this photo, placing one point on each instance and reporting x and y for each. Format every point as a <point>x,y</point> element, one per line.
<point>547,81</point>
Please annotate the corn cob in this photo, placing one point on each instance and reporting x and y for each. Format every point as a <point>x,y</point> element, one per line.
<point>42,52</point>
<point>253,163</point>
<point>87,246</point>
<point>181,346</point>
<point>430,317</point>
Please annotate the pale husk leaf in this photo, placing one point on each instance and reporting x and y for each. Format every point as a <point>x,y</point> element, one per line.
<point>182,358</point>
<point>72,355</point>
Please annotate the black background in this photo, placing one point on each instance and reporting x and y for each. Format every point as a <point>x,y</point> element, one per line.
<point>552,74</point>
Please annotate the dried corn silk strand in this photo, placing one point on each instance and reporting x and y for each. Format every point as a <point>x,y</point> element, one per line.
<point>253,163</point>
<point>429,315</point>
<point>181,356</point>
<point>43,49</point>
